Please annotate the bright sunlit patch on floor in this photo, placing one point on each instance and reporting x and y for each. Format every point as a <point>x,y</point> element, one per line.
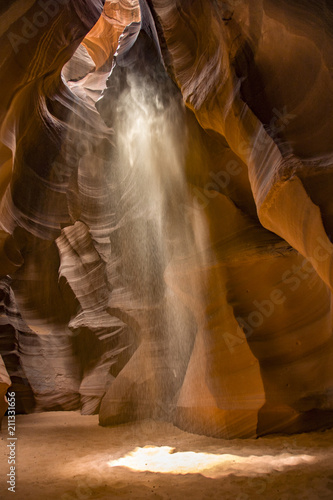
<point>164,460</point>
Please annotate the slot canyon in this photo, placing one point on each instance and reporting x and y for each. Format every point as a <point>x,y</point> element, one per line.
<point>166,256</point>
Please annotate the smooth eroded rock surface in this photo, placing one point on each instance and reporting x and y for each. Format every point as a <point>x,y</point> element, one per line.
<point>166,211</point>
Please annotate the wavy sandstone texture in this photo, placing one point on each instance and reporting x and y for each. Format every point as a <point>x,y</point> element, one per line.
<point>166,211</point>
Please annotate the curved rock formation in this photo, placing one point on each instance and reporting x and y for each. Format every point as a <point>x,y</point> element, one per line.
<point>5,383</point>
<point>40,37</point>
<point>166,211</point>
<point>226,75</point>
<point>102,40</point>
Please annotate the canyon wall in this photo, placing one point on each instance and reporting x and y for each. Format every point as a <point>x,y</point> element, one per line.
<point>166,213</point>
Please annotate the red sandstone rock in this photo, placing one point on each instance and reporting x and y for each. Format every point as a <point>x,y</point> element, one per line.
<point>170,262</point>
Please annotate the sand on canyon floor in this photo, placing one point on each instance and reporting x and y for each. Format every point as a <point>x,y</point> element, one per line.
<point>67,456</point>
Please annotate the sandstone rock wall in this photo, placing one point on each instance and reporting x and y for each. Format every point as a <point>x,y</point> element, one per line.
<point>166,212</point>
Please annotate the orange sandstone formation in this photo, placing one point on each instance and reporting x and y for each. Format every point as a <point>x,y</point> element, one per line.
<point>166,211</point>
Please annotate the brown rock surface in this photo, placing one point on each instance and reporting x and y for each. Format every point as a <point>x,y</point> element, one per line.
<point>5,383</point>
<point>167,260</point>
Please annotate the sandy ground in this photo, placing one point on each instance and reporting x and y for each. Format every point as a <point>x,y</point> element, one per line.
<point>66,456</point>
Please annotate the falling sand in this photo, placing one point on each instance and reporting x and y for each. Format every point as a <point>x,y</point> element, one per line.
<point>66,456</point>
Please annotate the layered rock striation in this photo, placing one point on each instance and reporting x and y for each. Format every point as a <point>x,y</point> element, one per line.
<point>166,211</point>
